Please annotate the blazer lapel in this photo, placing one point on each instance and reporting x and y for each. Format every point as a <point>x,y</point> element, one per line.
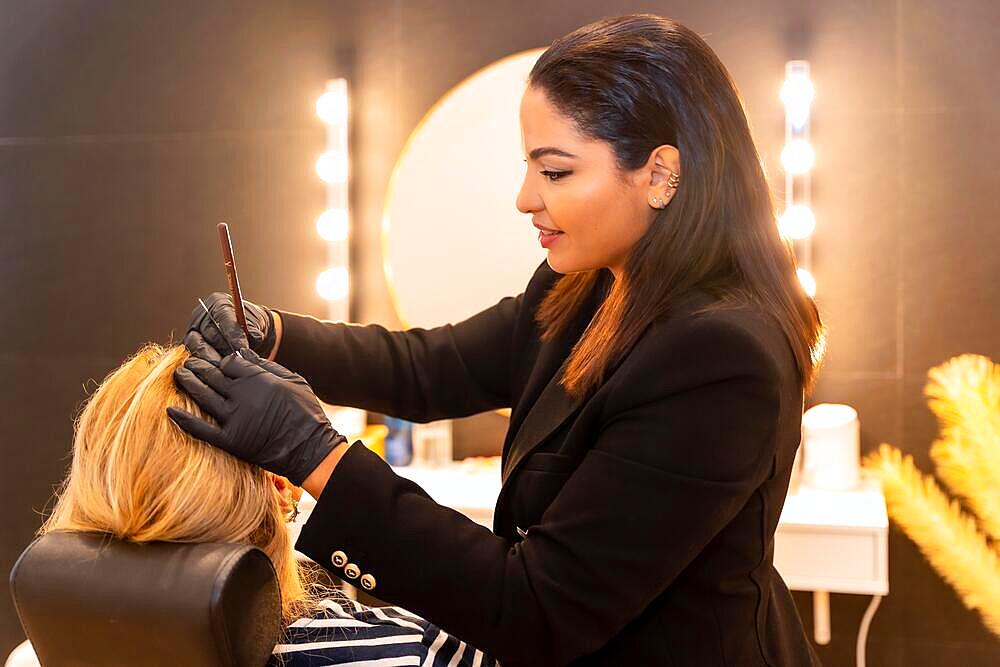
<point>552,407</point>
<point>549,409</point>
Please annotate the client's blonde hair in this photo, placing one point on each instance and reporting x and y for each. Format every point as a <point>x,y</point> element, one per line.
<point>138,476</point>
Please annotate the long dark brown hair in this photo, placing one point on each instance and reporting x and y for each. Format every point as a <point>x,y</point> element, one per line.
<point>637,82</point>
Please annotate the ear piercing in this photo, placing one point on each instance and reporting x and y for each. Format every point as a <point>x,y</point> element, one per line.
<point>656,202</point>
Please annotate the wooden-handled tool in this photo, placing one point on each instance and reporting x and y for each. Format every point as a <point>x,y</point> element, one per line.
<point>226,243</point>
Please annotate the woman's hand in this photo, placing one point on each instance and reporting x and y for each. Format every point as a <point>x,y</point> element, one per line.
<point>213,343</point>
<point>266,414</point>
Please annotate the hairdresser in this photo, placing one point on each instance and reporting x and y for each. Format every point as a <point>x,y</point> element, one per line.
<point>655,363</point>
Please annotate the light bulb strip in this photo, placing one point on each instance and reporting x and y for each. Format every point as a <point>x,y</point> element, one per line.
<point>334,224</point>
<point>796,94</point>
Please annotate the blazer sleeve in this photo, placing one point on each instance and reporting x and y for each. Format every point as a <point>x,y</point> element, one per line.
<point>421,375</point>
<point>454,370</point>
<point>684,444</point>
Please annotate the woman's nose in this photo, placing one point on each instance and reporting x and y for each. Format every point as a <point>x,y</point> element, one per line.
<point>527,201</point>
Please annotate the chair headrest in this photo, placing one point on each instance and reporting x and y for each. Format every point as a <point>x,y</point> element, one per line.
<point>88,598</point>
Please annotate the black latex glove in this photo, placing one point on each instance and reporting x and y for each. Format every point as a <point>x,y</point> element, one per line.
<point>260,323</point>
<point>266,414</point>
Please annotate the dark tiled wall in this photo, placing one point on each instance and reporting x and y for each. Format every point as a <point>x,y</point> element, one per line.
<point>125,132</point>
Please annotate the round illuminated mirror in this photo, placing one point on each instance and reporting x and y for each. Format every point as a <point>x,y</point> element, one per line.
<point>453,241</point>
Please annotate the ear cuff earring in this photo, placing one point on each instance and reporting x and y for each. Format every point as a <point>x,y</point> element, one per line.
<point>672,182</point>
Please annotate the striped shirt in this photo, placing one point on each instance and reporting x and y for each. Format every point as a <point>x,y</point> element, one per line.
<point>344,632</point>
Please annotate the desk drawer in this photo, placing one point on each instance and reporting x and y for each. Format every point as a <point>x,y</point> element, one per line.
<point>841,561</point>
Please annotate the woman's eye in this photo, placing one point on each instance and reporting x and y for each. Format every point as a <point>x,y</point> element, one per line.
<point>554,175</point>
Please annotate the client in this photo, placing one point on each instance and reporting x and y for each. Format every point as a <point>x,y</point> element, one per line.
<point>136,475</point>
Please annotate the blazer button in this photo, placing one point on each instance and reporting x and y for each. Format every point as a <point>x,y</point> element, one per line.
<point>339,558</point>
<point>352,570</point>
<point>367,582</point>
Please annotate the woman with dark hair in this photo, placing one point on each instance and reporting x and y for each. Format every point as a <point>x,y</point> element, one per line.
<point>656,366</point>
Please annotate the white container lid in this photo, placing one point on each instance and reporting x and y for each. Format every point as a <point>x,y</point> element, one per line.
<point>828,415</point>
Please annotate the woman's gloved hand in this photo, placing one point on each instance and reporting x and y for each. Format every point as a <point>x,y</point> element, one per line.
<point>267,415</point>
<point>260,322</point>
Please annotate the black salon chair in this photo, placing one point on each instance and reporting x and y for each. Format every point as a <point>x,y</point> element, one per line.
<point>90,599</point>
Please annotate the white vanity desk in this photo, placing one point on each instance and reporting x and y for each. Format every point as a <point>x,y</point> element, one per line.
<point>826,542</point>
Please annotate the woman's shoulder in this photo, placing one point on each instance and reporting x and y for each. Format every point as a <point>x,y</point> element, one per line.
<point>703,320</point>
<point>699,308</point>
<point>704,340</point>
<point>339,630</point>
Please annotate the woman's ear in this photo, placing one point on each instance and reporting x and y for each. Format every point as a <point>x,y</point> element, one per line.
<point>659,178</point>
<point>288,493</point>
<point>284,492</point>
<point>280,483</point>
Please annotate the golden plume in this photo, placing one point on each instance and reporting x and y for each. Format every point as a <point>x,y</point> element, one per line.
<point>964,393</point>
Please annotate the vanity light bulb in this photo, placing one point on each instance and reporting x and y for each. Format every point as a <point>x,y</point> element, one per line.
<point>808,282</point>
<point>332,284</point>
<point>332,225</point>
<point>331,107</point>
<point>332,167</point>
<point>798,156</point>
<point>797,222</point>
<point>797,93</point>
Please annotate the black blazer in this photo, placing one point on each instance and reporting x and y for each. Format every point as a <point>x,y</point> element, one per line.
<point>634,527</point>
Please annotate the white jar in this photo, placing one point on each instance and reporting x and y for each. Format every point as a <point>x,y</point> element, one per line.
<point>831,439</point>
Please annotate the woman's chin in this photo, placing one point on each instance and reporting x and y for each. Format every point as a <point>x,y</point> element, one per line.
<point>559,263</point>
<point>555,265</point>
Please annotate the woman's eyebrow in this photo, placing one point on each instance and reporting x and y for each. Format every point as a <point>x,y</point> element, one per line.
<point>549,150</point>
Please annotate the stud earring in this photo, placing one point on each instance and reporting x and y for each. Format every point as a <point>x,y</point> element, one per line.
<point>655,202</point>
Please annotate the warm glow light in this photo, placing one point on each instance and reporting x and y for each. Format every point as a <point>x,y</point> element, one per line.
<point>332,284</point>
<point>797,222</point>
<point>828,416</point>
<point>332,107</point>
<point>798,156</point>
<point>797,93</point>
<point>332,224</point>
<point>332,167</point>
<point>808,282</point>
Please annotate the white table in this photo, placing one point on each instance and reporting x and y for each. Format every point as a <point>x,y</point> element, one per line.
<point>835,542</point>
<point>826,542</point>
